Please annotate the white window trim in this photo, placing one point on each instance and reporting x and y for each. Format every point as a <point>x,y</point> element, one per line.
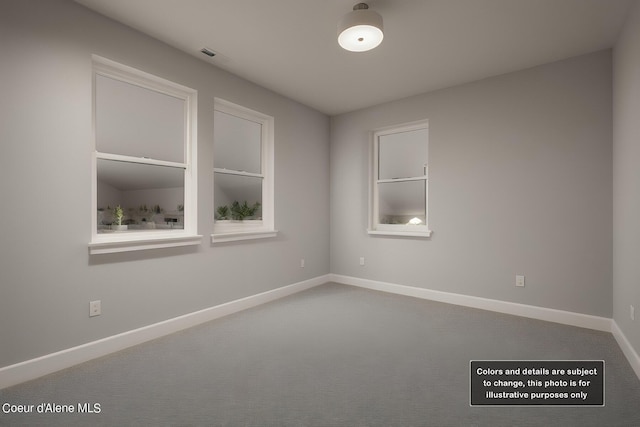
<point>397,230</point>
<point>149,239</point>
<point>253,229</point>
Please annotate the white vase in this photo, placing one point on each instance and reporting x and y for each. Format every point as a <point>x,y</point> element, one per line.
<point>119,227</point>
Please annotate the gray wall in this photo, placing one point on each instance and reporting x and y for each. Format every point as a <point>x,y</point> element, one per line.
<point>46,275</point>
<point>520,180</point>
<point>626,178</point>
<point>520,183</point>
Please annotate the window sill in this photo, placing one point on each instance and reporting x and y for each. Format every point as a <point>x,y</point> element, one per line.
<point>242,235</point>
<point>121,243</point>
<point>423,234</point>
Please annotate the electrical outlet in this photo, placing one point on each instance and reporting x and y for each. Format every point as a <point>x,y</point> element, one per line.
<point>632,312</point>
<point>301,262</point>
<point>361,260</point>
<point>94,308</point>
<point>520,281</point>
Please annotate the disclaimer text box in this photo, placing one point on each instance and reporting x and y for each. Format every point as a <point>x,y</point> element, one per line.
<point>537,383</point>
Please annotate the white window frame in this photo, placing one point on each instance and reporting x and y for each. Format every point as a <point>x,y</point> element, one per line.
<point>399,230</point>
<point>102,243</point>
<point>252,229</point>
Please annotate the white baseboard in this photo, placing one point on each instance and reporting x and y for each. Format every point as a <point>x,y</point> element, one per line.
<point>541,313</point>
<point>35,368</point>
<point>626,347</point>
<point>523,310</point>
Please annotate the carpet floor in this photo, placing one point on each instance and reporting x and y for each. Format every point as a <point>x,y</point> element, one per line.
<point>334,355</point>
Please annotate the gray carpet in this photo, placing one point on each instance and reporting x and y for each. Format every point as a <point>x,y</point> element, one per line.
<point>331,356</point>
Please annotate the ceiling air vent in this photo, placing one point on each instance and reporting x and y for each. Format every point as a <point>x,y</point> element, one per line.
<point>208,52</point>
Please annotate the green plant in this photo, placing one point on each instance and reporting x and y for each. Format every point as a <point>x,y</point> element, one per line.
<point>223,212</point>
<point>242,211</point>
<point>157,209</point>
<point>180,208</point>
<point>118,213</point>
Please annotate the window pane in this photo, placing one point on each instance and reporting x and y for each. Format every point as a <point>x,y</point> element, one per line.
<point>403,155</point>
<point>151,197</point>
<point>234,188</point>
<point>236,143</point>
<point>138,122</point>
<point>402,202</point>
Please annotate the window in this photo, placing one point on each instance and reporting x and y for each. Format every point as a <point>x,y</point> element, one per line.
<point>243,173</point>
<point>144,177</point>
<point>399,181</point>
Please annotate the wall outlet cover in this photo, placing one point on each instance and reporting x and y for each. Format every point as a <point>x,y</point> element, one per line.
<point>95,308</point>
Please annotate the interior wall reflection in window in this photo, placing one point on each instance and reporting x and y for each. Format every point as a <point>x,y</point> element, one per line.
<point>237,143</point>
<point>138,122</point>
<point>402,203</point>
<point>151,197</point>
<point>403,154</point>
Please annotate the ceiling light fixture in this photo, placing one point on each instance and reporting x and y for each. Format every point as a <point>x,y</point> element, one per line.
<point>360,30</point>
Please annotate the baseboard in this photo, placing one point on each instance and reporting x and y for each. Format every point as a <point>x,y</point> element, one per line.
<point>626,347</point>
<point>35,368</point>
<point>551,315</point>
<point>523,310</point>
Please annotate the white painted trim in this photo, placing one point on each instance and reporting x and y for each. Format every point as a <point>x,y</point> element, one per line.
<point>140,160</point>
<point>100,243</point>
<point>391,180</point>
<point>267,166</point>
<point>540,313</point>
<point>424,234</point>
<point>626,347</point>
<point>243,235</point>
<point>47,364</point>
<point>142,241</point>
<point>238,173</point>
<point>127,74</point>
<point>523,310</point>
<point>375,228</point>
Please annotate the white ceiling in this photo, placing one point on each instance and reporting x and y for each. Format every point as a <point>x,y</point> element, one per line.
<point>290,47</point>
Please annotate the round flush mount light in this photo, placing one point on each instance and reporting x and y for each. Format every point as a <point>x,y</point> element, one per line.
<point>360,30</point>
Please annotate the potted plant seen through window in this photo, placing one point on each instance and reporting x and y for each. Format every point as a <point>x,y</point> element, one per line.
<point>237,211</point>
<point>118,215</point>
